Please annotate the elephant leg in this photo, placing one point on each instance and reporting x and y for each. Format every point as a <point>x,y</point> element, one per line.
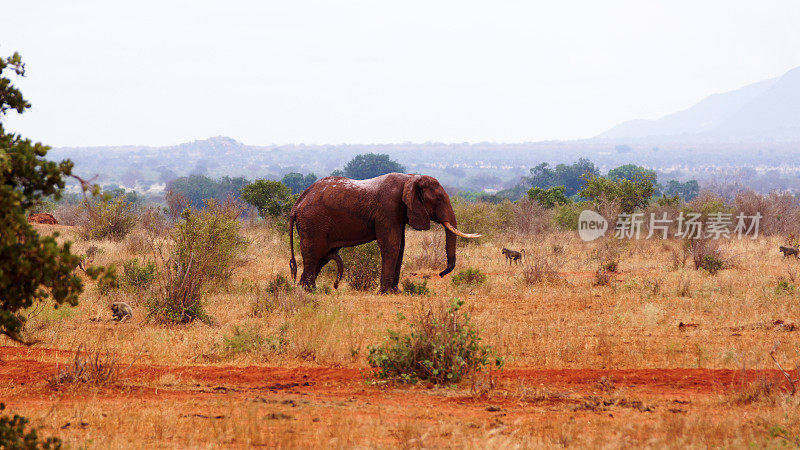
<point>311,260</point>
<point>332,256</point>
<point>325,260</point>
<point>389,244</point>
<point>338,259</point>
<point>396,280</point>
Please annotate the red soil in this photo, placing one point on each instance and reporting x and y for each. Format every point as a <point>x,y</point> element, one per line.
<point>24,368</point>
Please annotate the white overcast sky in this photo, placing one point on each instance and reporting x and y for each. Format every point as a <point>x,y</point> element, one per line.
<point>316,72</point>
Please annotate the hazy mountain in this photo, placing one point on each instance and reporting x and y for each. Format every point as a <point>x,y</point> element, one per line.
<point>765,111</point>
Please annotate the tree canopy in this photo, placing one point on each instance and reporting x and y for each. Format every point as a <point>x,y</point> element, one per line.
<point>197,188</point>
<point>569,176</point>
<point>629,171</point>
<point>297,182</point>
<point>549,198</point>
<point>687,190</point>
<point>371,165</point>
<point>271,198</point>
<point>631,194</point>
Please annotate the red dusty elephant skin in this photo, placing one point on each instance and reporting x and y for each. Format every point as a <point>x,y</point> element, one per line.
<point>338,212</point>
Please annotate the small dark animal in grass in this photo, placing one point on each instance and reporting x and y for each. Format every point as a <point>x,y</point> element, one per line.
<point>789,251</point>
<point>511,255</point>
<point>121,311</point>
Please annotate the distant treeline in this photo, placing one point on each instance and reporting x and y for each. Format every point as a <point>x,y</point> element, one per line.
<point>573,177</point>
<point>543,183</point>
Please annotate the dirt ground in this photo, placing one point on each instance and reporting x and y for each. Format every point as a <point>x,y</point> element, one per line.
<point>318,406</point>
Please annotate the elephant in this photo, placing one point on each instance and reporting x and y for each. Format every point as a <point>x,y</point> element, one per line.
<point>338,212</point>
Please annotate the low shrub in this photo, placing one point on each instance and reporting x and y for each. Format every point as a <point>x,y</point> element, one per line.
<point>470,277</point>
<point>279,284</point>
<point>785,287</point>
<point>323,333</point>
<point>443,346</point>
<point>207,247</point>
<point>281,295</point>
<point>89,367</point>
<point>706,254</point>
<point>108,284</point>
<point>609,252</point>
<point>707,203</point>
<point>566,216</point>
<point>431,253</point>
<point>210,239</point>
<point>538,268</point>
<point>15,434</point>
<point>243,339</point>
<point>363,266</point>
<point>416,288</point>
<point>602,277</point>
<point>531,218</point>
<point>108,219</point>
<point>712,264</point>
<point>482,217</point>
<point>138,277</point>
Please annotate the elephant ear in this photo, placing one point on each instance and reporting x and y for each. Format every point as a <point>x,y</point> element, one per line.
<point>418,217</point>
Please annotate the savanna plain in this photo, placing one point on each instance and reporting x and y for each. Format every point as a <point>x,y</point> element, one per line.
<point>609,343</point>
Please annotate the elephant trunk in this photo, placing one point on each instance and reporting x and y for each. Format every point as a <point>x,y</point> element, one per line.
<point>450,249</point>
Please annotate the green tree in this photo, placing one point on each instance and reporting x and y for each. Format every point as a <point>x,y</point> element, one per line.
<point>687,190</point>
<point>629,171</point>
<point>32,267</point>
<point>272,198</point>
<point>631,194</point>
<point>371,165</point>
<point>198,188</point>
<point>565,175</point>
<point>549,198</point>
<point>297,182</point>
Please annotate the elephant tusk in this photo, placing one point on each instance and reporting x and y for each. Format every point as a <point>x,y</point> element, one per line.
<point>455,231</point>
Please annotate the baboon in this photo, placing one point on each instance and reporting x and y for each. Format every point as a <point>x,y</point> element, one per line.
<point>121,311</point>
<point>511,255</point>
<point>789,251</point>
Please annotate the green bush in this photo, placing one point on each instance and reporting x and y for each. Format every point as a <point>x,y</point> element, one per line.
<point>412,288</point>
<point>207,246</point>
<point>279,284</point>
<point>712,264</point>
<point>632,194</point>
<point>138,277</point>
<point>707,203</point>
<point>566,216</point>
<point>707,255</point>
<point>13,434</point>
<point>469,277</point>
<point>482,217</point>
<point>363,265</point>
<point>108,219</point>
<point>108,284</point>
<point>243,339</point>
<point>443,346</point>
<point>281,295</point>
<point>272,198</point>
<point>785,287</point>
<point>549,198</point>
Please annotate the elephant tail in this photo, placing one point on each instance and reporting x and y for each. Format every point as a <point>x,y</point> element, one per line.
<point>292,262</point>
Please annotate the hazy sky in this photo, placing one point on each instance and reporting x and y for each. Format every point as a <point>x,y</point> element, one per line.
<point>164,72</point>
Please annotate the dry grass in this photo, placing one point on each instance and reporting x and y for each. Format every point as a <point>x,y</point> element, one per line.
<point>573,324</point>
